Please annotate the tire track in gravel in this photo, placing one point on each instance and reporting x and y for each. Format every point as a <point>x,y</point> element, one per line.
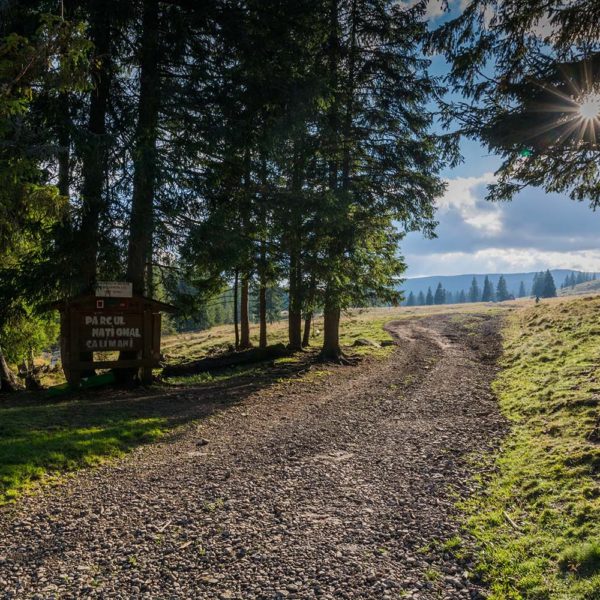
<point>326,488</point>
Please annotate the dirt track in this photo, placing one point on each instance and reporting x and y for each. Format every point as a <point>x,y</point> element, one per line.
<point>336,487</point>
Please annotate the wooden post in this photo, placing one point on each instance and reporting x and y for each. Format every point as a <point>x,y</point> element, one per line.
<point>74,354</point>
<point>147,351</point>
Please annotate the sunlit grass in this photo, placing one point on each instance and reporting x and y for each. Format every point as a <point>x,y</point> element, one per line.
<point>538,525</point>
<point>41,441</point>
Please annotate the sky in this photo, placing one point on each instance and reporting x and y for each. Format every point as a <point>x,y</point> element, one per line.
<point>534,232</point>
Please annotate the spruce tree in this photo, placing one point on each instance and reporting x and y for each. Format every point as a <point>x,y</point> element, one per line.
<point>488,290</point>
<point>429,297</point>
<point>474,293</point>
<point>373,127</point>
<point>462,297</point>
<point>538,287</point>
<point>44,57</point>
<point>501,290</point>
<point>421,299</point>
<point>449,297</point>
<point>411,299</point>
<point>522,291</point>
<point>528,111</point>
<point>440,295</point>
<point>549,288</point>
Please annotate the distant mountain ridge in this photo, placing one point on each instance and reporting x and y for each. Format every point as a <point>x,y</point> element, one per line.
<point>456,283</point>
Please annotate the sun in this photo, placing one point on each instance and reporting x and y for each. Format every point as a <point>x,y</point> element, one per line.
<point>589,107</point>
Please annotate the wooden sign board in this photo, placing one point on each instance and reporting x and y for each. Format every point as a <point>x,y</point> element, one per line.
<point>90,324</point>
<point>114,289</point>
<point>110,330</point>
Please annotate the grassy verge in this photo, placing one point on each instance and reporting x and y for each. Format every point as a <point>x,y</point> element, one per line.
<point>538,523</point>
<point>41,441</point>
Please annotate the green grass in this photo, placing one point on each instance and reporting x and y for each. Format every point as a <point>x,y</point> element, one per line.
<point>42,441</point>
<point>537,525</point>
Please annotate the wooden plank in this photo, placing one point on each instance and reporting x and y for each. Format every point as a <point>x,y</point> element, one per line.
<point>74,370</point>
<point>156,332</point>
<point>117,364</point>
<point>146,374</point>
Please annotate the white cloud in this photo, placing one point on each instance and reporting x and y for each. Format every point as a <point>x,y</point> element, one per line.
<point>541,27</point>
<point>461,196</point>
<point>435,8</point>
<point>503,260</point>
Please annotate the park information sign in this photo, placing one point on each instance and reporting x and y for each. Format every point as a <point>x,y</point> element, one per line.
<point>92,326</point>
<point>116,331</point>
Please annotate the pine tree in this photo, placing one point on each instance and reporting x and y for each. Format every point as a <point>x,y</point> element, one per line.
<point>411,300</point>
<point>537,289</point>
<point>440,295</point>
<point>488,290</point>
<point>549,288</point>
<point>429,297</point>
<point>474,293</point>
<point>43,57</point>
<point>501,290</point>
<point>522,291</point>
<point>364,157</point>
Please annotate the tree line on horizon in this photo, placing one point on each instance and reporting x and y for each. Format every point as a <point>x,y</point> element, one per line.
<point>543,286</point>
<point>475,293</point>
<point>573,279</point>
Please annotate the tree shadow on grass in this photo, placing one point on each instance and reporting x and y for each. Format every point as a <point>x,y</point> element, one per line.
<point>41,437</point>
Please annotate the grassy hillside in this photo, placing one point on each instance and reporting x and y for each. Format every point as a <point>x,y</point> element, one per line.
<point>586,287</point>
<point>538,525</point>
<point>355,323</point>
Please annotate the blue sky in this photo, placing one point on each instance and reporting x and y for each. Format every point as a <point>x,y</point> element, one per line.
<point>533,232</point>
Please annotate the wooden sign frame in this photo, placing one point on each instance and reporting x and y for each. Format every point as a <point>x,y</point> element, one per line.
<point>109,321</point>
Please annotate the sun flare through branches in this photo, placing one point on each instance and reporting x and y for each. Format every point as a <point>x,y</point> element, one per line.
<point>589,107</point>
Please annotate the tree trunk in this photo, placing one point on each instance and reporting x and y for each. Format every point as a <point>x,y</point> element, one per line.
<point>262,297</point>
<point>307,327</point>
<point>149,275</point>
<point>95,153</point>
<point>295,303</point>
<point>295,251</point>
<point>145,159</point>
<point>8,380</point>
<point>262,302</point>
<point>244,314</point>
<point>262,291</point>
<point>235,310</point>
<point>331,350</point>
<point>310,302</point>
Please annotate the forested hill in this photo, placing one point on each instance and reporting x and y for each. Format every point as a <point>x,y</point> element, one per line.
<point>456,283</point>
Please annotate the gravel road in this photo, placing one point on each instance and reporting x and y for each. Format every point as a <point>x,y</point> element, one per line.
<point>324,487</point>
